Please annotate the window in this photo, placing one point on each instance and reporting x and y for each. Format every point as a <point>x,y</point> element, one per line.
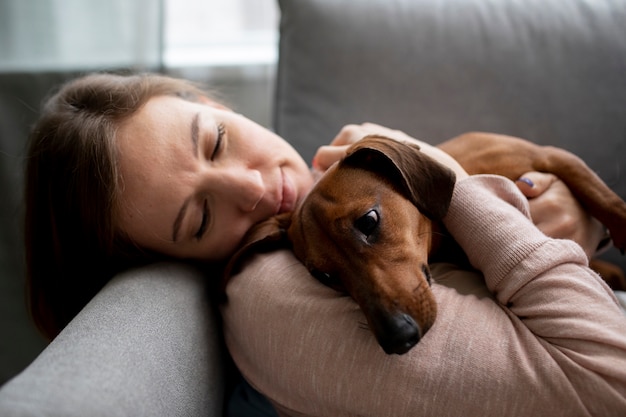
<point>42,35</point>
<point>220,32</point>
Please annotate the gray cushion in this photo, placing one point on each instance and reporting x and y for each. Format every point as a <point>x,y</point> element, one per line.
<point>550,71</point>
<point>147,345</point>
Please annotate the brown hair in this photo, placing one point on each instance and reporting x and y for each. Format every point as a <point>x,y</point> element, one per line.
<point>72,246</point>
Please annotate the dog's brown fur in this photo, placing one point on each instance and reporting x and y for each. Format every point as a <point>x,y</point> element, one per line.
<point>369,225</point>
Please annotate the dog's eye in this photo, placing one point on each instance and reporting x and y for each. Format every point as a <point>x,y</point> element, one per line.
<point>322,277</point>
<point>367,223</point>
<point>327,279</point>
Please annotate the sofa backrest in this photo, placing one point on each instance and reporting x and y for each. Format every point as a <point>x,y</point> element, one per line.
<point>550,71</point>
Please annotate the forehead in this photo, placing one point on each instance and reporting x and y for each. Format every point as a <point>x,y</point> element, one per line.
<point>156,137</point>
<point>158,117</point>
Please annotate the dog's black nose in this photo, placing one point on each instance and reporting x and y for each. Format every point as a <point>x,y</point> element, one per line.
<point>399,334</point>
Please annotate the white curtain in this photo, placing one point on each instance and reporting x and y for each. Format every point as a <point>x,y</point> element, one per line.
<point>220,32</point>
<point>62,35</point>
<point>44,35</point>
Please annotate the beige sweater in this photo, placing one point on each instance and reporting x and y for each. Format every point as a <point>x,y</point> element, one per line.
<point>539,335</point>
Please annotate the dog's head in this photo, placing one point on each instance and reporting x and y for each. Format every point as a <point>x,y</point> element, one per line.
<point>366,228</point>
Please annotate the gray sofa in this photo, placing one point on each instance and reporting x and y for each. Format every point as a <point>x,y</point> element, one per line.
<point>552,71</point>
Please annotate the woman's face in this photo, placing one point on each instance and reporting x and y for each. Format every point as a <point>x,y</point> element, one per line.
<point>197,176</point>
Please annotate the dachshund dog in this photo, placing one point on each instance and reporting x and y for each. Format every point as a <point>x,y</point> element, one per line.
<point>371,224</point>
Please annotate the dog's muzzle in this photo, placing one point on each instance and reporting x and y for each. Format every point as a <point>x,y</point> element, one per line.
<point>397,333</point>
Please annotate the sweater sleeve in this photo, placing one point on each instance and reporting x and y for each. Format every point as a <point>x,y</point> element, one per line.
<point>543,282</point>
<point>539,334</point>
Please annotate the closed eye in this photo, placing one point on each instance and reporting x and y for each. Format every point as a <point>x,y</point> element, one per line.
<point>204,222</point>
<point>327,279</point>
<point>221,130</point>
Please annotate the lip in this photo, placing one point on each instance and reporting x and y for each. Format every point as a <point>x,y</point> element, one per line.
<point>289,194</point>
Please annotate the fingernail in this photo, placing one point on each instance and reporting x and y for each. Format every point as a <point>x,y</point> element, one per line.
<point>314,163</point>
<point>526,181</point>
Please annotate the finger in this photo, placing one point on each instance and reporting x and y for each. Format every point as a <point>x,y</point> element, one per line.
<point>374,127</point>
<point>557,213</point>
<point>533,184</point>
<point>328,155</point>
<point>349,134</point>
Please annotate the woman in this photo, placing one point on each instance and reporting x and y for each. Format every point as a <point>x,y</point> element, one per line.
<point>121,169</point>
<point>125,169</point>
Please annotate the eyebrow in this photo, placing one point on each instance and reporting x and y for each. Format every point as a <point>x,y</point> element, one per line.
<point>183,209</point>
<point>194,133</point>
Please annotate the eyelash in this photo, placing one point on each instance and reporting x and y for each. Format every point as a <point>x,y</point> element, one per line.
<point>221,130</point>
<point>203,222</point>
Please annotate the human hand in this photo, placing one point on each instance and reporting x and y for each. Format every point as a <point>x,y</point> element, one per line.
<point>349,134</point>
<point>557,213</point>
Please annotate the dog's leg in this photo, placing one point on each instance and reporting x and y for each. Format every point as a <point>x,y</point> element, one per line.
<point>483,153</point>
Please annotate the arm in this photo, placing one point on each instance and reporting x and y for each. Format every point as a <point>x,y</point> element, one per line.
<point>546,285</point>
<point>544,336</point>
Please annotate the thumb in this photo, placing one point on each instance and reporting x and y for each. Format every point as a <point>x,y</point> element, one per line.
<point>533,184</point>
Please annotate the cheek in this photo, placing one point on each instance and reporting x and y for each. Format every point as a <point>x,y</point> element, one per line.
<point>304,181</point>
<point>148,229</point>
<point>146,215</point>
<point>226,238</point>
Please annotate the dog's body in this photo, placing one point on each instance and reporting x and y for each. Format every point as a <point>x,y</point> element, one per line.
<point>367,225</point>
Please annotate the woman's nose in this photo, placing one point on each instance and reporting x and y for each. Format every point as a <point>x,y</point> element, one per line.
<point>245,187</point>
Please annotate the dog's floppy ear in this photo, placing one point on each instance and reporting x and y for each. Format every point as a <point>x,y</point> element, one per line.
<point>262,237</point>
<point>424,181</point>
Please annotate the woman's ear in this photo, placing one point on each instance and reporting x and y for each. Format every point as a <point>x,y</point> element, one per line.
<point>210,102</point>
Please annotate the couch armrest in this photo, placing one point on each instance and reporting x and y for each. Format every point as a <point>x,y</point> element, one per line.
<point>147,345</point>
